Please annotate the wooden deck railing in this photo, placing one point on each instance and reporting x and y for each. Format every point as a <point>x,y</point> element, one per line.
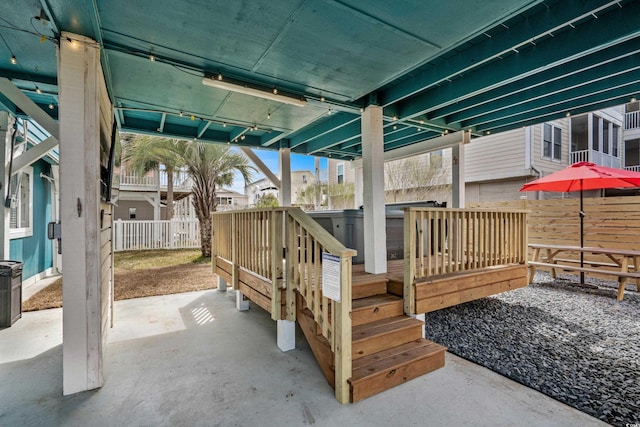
<point>441,241</point>
<point>254,240</point>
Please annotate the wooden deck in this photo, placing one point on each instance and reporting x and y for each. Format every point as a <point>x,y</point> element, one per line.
<point>387,348</point>
<point>446,290</point>
<point>362,332</point>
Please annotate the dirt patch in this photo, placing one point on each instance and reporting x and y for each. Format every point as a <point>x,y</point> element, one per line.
<point>49,297</point>
<point>137,284</point>
<point>162,281</point>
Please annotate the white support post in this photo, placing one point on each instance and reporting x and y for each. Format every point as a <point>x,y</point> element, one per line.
<point>84,327</point>
<point>457,181</point>
<point>316,170</point>
<point>6,132</point>
<point>118,234</point>
<point>375,232</point>
<point>286,335</point>
<point>222,284</point>
<point>357,199</point>
<point>242,304</point>
<point>284,193</point>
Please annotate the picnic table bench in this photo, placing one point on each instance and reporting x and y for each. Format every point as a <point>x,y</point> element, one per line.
<point>626,262</point>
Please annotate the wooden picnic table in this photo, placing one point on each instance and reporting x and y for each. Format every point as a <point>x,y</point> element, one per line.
<point>625,262</point>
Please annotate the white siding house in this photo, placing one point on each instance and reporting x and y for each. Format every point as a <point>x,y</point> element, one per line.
<point>496,166</point>
<point>299,181</point>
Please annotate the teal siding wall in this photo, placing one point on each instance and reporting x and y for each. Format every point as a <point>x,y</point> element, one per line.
<point>35,251</point>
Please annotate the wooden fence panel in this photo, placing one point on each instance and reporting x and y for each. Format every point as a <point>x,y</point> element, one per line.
<point>612,222</point>
<point>609,222</point>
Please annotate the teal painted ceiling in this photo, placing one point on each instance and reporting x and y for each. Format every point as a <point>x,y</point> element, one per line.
<point>435,67</point>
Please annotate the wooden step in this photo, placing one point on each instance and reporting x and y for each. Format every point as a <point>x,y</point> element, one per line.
<point>380,371</point>
<point>367,285</point>
<point>395,286</point>
<point>369,309</point>
<point>384,334</point>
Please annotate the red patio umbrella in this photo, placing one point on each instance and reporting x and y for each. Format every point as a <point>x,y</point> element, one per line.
<point>584,176</point>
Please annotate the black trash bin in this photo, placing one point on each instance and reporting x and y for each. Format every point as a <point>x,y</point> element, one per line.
<point>10,292</point>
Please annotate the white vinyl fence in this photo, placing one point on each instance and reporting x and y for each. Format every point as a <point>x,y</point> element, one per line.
<point>173,234</point>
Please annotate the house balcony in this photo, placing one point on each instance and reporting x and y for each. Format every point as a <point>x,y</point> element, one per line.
<point>596,157</point>
<point>152,181</point>
<point>632,125</point>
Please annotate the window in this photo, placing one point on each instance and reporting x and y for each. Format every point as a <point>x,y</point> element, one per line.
<point>132,213</point>
<point>20,223</point>
<point>340,170</point>
<point>435,159</point>
<point>551,142</point>
<point>304,179</point>
<point>614,141</point>
<point>595,133</point>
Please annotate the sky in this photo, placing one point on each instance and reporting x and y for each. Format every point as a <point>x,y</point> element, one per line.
<point>270,158</point>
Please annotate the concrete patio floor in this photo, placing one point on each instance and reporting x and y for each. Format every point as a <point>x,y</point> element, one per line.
<point>191,359</point>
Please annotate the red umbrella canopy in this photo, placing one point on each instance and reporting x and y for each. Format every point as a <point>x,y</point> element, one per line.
<point>584,176</point>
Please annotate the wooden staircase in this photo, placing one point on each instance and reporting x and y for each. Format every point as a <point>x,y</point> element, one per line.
<point>387,346</point>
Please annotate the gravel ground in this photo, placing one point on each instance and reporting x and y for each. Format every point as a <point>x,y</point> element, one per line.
<point>579,346</point>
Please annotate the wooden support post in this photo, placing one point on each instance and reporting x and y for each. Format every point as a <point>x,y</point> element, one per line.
<point>276,232</point>
<point>291,252</point>
<point>532,269</point>
<point>85,290</point>
<point>624,268</point>
<point>410,260</point>
<point>551,261</point>
<point>343,334</point>
<point>234,251</point>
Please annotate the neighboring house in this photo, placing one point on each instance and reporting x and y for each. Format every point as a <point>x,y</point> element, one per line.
<point>230,200</point>
<point>144,197</point>
<point>299,181</point>
<point>423,177</point>
<point>34,203</point>
<point>496,166</point>
<point>632,136</point>
<point>631,146</point>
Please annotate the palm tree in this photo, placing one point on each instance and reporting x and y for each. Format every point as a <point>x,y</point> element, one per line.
<point>145,153</point>
<point>211,167</point>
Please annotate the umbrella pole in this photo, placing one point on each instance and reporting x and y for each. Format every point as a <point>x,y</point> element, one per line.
<point>581,236</point>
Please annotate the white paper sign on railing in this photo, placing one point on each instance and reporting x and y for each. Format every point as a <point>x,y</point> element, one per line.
<point>331,276</point>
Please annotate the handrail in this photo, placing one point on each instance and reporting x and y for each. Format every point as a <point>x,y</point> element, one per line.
<point>441,241</point>
<point>253,239</point>
<point>306,241</point>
